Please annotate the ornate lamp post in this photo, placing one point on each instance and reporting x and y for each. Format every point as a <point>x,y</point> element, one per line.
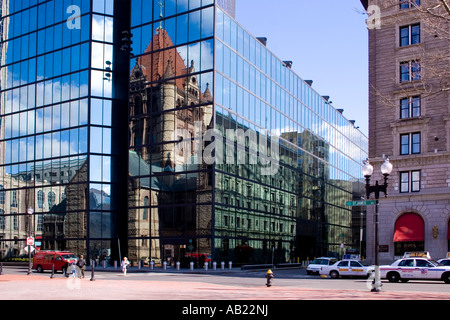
<point>367,170</point>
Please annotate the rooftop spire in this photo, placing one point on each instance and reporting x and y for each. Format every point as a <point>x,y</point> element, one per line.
<point>161,15</point>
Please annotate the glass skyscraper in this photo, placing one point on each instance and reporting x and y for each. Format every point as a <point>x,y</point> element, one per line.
<point>163,130</point>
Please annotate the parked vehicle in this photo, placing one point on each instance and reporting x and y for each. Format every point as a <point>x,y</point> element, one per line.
<point>316,264</point>
<point>354,268</point>
<point>406,269</point>
<point>44,260</point>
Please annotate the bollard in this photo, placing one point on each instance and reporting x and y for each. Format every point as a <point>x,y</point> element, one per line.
<point>115,264</point>
<point>164,265</point>
<point>1,268</point>
<point>139,265</point>
<point>205,266</point>
<point>230,265</point>
<point>191,266</point>
<point>214,266</point>
<point>178,265</point>
<point>53,271</point>
<point>222,265</point>
<point>93,271</point>
<point>152,265</point>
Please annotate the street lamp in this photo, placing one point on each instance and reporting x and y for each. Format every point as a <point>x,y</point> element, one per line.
<point>367,170</point>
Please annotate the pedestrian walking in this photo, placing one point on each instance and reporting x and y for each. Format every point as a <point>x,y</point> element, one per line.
<point>82,265</point>
<point>124,265</point>
<point>73,265</point>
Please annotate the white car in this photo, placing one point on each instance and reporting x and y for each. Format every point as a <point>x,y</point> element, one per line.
<point>316,264</point>
<point>445,262</point>
<point>406,269</point>
<point>354,268</point>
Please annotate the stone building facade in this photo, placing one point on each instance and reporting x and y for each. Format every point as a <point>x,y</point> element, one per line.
<point>409,105</point>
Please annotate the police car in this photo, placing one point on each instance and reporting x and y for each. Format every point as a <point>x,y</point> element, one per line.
<point>353,268</point>
<point>445,261</point>
<point>415,266</point>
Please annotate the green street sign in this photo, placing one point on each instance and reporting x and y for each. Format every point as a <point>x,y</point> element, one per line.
<point>360,203</point>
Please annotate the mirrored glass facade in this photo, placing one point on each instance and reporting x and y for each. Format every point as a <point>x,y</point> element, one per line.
<point>232,155</point>
<point>163,130</point>
<point>57,126</point>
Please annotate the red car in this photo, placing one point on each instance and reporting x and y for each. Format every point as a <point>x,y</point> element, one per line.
<point>44,260</point>
<point>198,256</point>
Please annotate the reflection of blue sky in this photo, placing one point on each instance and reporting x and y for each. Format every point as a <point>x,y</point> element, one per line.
<point>272,97</point>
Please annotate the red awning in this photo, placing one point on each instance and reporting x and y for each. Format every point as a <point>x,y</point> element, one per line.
<point>409,227</point>
<point>448,231</point>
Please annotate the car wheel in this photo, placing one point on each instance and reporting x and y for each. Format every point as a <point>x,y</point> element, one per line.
<point>334,274</point>
<point>446,277</point>
<point>393,277</point>
<point>39,269</point>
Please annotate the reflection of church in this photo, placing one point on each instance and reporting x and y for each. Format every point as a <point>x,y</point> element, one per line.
<point>165,97</point>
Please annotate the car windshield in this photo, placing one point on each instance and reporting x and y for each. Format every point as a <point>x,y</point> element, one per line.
<point>69,256</point>
<point>435,263</point>
<point>364,263</point>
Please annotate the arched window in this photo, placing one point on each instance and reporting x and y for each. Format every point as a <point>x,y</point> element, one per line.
<point>2,194</point>
<point>409,234</point>
<point>2,220</point>
<point>145,211</point>
<point>40,199</point>
<point>51,197</point>
<point>448,236</point>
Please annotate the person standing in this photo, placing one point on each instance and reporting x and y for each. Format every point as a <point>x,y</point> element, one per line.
<point>82,265</point>
<point>124,265</point>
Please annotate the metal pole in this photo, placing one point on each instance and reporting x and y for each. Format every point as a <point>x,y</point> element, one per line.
<point>92,270</point>
<point>29,246</point>
<point>376,285</point>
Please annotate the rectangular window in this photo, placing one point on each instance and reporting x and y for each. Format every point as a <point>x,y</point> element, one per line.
<point>409,71</point>
<point>410,143</point>
<point>409,35</point>
<point>406,4</point>
<point>410,181</point>
<point>410,107</point>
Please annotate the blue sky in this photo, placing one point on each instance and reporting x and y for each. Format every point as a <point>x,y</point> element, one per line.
<point>325,39</point>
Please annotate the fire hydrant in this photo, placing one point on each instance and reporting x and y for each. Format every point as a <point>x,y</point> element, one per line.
<point>269,277</point>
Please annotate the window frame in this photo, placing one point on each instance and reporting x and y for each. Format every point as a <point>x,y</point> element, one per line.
<point>411,105</point>
<point>408,4</point>
<point>411,69</point>
<point>410,144</point>
<point>412,36</point>
<point>408,182</point>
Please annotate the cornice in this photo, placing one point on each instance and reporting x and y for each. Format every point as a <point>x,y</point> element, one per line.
<point>410,122</point>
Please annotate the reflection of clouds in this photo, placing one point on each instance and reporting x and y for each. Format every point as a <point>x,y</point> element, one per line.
<point>102,28</point>
<point>202,53</point>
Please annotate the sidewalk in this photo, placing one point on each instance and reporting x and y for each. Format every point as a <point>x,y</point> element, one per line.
<point>42,287</point>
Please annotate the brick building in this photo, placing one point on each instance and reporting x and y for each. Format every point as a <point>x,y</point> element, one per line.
<point>409,123</point>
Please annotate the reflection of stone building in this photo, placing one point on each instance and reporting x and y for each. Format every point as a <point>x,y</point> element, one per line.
<point>165,98</point>
<point>43,188</point>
